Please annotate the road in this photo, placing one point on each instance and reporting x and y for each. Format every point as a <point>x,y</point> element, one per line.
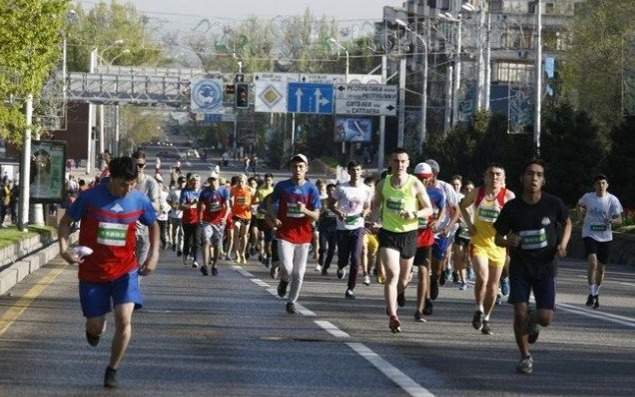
<point>229,336</point>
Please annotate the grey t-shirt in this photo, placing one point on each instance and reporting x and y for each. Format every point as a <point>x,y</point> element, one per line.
<point>599,212</point>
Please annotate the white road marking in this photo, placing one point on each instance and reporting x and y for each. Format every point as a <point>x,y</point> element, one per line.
<point>304,311</point>
<point>393,373</point>
<point>242,271</point>
<point>259,282</point>
<point>273,291</point>
<point>332,329</point>
<point>627,321</point>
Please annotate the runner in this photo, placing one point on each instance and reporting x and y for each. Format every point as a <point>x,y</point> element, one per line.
<point>109,213</point>
<point>371,243</point>
<point>529,227</point>
<point>148,186</point>
<point>327,227</point>
<point>351,204</point>
<point>295,204</point>
<point>212,209</point>
<point>425,240</point>
<point>444,225</point>
<point>400,199</point>
<point>265,189</point>
<point>189,205</point>
<point>600,211</point>
<point>488,259</point>
<point>241,197</point>
<point>175,215</point>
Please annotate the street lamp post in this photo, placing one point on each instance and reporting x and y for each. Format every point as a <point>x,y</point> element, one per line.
<point>538,112</point>
<point>424,94</point>
<point>339,45</point>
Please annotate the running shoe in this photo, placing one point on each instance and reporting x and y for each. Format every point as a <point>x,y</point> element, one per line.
<point>434,287</point>
<point>291,308</point>
<point>274,272</point>
<point>203,270</point>
<point>462,286</point>
<point>596,302</point>
<point>367,280</point>
<point>282,288</point>
<point>318,268</point>
<point>455,277</point>
<point>179,253</point>
<point>381,280</point>
<point>505,286</point>
<point>93,340</point>
<point>268,262</point>
<point>533,329</point>
<point>589,300</point>
<point>401,299</point>
<point>428,308</point>
<point>110,378</point>
<point>477,320</point>
<point>325,271</point>
<point>214,271</point>
<point>499,299</point>
<point>394,324</point>
<point>349,294</point>
<point>443,278</point>
<point>194,264</point>
<point>525,365</point>
<point>174,248</point>
<point>419,317</point>
<point>341,273</point>
<point>485,329</point>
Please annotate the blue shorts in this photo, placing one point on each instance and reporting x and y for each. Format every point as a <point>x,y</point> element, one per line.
<point>98,299</point>
<point>440,248</point>
<point>544,290</point>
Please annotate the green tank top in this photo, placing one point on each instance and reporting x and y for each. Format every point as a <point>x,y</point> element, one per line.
<point>395,201</point>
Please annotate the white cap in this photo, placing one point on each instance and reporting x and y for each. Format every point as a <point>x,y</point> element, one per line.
<point>424,170</point>
<point>300,157</point>
<point>214,175</point>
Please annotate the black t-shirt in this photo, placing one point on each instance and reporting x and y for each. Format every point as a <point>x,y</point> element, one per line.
<point>539,226</point>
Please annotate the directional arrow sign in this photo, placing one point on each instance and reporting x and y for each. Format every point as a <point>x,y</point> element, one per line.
<point>366,99</point>
<point>310,98</point>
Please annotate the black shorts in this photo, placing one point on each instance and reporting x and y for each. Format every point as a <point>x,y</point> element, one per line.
<point>405,243</point>
<point>242,221</point>
<point>601,250</point>
<point>458,239</point>
<point>261,224</point>
<point>423,257</point>
<point>544,288</point>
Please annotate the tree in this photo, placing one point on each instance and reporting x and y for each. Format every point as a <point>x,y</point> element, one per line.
<point>30,34</point>
<point>595,62</point>
<point>621,163</point>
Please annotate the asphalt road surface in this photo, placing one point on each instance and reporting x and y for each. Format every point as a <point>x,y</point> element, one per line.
<point>230,336</point>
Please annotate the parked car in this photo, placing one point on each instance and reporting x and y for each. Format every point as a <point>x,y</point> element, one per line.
<point>169,154</point>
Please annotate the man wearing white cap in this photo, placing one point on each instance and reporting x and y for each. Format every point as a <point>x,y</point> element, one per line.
<point>295,205</point>
<point>213,211</point>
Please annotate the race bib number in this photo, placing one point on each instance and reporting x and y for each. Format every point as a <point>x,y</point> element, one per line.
<point>214,206</point>
<point>112,234</point>
<point>241,200</point>
<point>533,239</point>
<point>423,223</point>
<point>488,215</point>
<point>394,204</point>
<point>293,211</point>
<point>351,219</point>
<point>599,227</point>
<point>464,233</point>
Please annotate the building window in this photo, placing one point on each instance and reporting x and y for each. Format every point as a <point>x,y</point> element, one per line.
<point>515,73</point>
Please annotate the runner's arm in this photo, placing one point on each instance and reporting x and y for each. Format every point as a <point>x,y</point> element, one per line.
<point>151,261</point>
<point>425,206</point>
<point>63,232</point>
<point>566,236</point>
<point>375,208</point>
<point>467,202</point>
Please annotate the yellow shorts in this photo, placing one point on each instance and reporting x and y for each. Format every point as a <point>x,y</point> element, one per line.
<point>371,242</point>
<point>495,255</point>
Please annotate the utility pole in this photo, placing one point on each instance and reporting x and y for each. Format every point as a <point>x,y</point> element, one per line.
<point>447,122</point>
<point>457,74</point>
<point>538,112</point>
<point>91,118</point>
<point>382,119</point>
<point>25,171</point>
<point>402,100</point>
<point>488,61</point>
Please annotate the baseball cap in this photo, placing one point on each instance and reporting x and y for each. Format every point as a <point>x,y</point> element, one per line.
<point>214,175</point>
<point>423,170</point>
<point>434,165</point>
<point>194,176</point>
<point>299,157</point>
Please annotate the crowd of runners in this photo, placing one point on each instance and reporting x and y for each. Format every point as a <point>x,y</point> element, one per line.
<point>395,229</point>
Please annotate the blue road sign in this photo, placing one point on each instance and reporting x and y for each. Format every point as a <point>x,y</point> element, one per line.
<point>310,98</point>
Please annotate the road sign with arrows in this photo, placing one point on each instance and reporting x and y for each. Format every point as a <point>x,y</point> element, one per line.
<point>366,99</point>
<point>310,98</point>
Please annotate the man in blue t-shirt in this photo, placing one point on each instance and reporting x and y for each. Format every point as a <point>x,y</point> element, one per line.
<point>109,276</point>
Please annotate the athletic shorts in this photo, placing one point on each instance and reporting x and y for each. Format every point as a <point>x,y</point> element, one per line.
<point>98,299</point>
<point>600,249</point>
<point>405,243</point>
<point>261,224</point>
<point>495,255</point>
<point>371,242</point>
<point>212,233</point>
<point>240,221</point>
<point>440,248</point>
<point>544,290</point>
<point>423,256</point>
<point>460,237</point>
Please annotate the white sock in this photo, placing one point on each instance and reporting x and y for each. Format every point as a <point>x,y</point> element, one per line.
<point>480,308</point>
<point>486,318</point>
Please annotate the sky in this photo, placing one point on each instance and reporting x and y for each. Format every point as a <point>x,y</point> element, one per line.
<point>339,9</point>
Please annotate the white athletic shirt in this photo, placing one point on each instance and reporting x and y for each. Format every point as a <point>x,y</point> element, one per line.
<point>350,200</point>
<point>599,211</point>
<point>451,200</point>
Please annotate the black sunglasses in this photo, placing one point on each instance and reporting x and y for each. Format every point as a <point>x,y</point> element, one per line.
<point>141,165</point>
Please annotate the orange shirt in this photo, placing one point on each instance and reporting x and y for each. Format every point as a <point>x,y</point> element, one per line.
<point>242,201</point>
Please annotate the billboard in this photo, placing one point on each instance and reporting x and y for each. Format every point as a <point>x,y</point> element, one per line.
<point>353,129</point>
<point>48,165</point>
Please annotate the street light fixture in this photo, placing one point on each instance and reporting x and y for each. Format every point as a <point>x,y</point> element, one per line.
<point>339,45</point>
<point>424,95</point>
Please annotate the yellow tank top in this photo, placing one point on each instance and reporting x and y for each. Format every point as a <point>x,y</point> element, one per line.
<point>396,200</point>
<point>485,214</point>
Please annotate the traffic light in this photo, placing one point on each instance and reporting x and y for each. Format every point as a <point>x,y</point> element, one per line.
<point>242,95</point>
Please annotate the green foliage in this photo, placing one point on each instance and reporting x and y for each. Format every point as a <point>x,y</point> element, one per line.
<point>621,163</point>
<point>30,34</point>
<point>140,125</point>
<point>595,61</point>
